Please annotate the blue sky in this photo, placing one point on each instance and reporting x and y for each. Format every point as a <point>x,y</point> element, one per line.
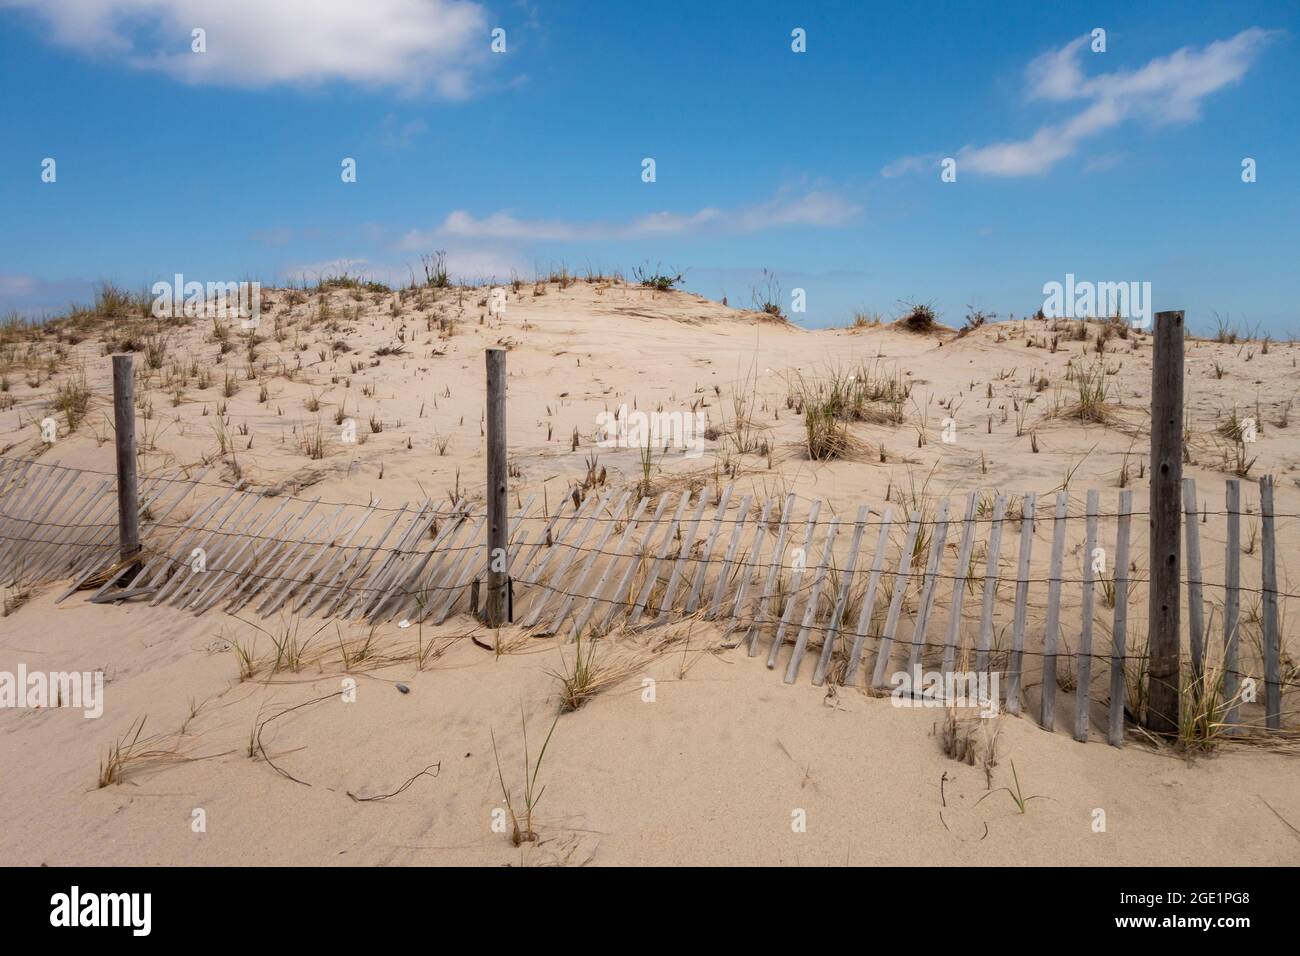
<point>822,166</point>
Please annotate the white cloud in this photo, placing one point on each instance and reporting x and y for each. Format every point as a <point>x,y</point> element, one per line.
<point>910,164</point>
<point>410,44</point>
<point>810,209</point>
<point>1168,89</point>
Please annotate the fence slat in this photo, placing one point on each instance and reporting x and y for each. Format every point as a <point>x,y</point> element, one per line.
<point>896,603</point>
<point>697,588</point>
<point>471,559</point>
<point>634,562</point>
<point>990,593</point>
<point>364,598</point>
<point>652,575</point>
<point>277,575</point>
<point>67,537</point>
<point>18,510</point>
<point>229,573</point>
<point>938,540</point>
<point>684,555</point>
<point>94,557</point>
<point>332,552</point>
<point>1272,648</point>
<point>323,592</point>
<point>584,575</point>
<point>180,545</point>
<point>544,540</point>
<point>810,527</point>
<point>535,575</point>
<point>261,570</point>
<point>454,544</point>
<point>814,601</point>
<point>580,621</point>
<point>226,577</point>
<point>1119,630</point>
<point>292,575</point>
<point>846,582</point>
<point>1047,712</point>
<point>1083,671</point>
<point>39,517</point>
<point>774,568</point>
<point>1195,601</point>
<point>1016,668</point>
<point>413,591</point>
<point>1232,605</point>
<point>182,564</point>
<point>748,573</point>
<point>541,602</point>
<point>959,580</point>
<point>742,518</point>
<point>869,598</point>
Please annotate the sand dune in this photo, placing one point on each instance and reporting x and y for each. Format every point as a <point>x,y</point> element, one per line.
<point>695,752</point>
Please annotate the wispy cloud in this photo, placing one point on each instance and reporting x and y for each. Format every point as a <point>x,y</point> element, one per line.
<point>809,209</point>
<point>394,133</point>
<point>1168,89</point>
<point>409,44</point>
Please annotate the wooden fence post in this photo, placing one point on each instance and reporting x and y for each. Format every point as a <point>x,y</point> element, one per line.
<point>128,495</point>
<point>1163,603</point>
<point>497,487</point>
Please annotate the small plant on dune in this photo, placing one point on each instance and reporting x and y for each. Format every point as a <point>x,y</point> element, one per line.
<point>119,754</point>
<point>72,397</point>
<point>290,644</point>
<point>127,750</point>
<point>18,594</point>
<point>914,498</point>
<point>918,317</point>
<point>974,320</point>
<point>522,830</point>
<point>971,740</point>
<point>1239,432</point>
<point>584,677</point>
<point>767,297</point>
<point>646,459</point>
<point>435,270</point>
<point>1092,390</point>
<point>113,303</point>
<point>313,442</point>
<point>654,279</point>
<point>363,649</point>
<point>1204,710</point>
<point>155,350</point>
<point>825,437</point>
<point>1017,796</point>
<point>741,431</point>
<point>1226,333</point>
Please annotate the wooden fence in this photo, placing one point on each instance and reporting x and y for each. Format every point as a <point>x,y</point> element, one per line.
<point>1036,589</point>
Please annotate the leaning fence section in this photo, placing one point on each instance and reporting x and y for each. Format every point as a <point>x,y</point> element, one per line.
<point>1036,592</point>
